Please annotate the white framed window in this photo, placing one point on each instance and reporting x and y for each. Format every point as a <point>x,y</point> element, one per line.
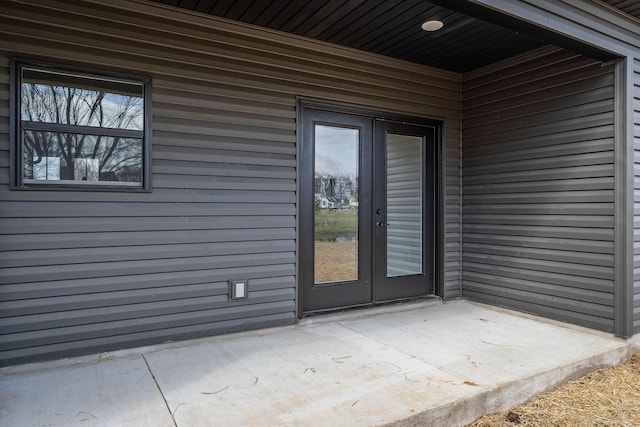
<point>75,128</point>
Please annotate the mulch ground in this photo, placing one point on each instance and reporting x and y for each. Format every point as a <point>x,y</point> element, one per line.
<point>606,397</point>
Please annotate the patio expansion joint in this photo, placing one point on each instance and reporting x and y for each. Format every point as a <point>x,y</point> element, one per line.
<point>452,373</point>
<point>166,403</point>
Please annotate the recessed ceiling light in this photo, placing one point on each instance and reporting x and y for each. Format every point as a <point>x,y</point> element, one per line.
<point>432,25</point>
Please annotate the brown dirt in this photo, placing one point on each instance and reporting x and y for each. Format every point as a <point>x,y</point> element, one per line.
<point>335,261</point>
<point>606,397</point>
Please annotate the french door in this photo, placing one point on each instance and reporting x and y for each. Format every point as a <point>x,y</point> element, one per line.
<point>367,209</point>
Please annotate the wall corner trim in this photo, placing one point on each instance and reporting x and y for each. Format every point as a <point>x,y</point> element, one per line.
<point>624,184</point>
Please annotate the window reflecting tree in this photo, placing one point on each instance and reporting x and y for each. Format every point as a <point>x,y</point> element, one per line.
<point>80,128</point>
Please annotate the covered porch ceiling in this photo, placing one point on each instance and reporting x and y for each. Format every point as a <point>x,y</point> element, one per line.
<point>472,36</point>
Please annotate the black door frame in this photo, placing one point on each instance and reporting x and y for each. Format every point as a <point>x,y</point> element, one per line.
<point>386,288</point>
<point>304,224</point>
<point>353,292</point>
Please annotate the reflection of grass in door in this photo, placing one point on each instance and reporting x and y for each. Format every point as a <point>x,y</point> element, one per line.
<point>336,248</point>
<point>331,224</point>
<point>336,261</point>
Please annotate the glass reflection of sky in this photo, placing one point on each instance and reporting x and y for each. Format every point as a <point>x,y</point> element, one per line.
<point>60,104</point>
<point>336,151</point>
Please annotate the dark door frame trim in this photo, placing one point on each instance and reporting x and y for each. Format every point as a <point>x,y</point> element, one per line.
<point>320,297</point>
<point>382,289</point>
<point>439,190</point>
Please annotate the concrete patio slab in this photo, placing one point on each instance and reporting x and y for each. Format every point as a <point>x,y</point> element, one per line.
<point>315,376</point>
<point>482,345</point>
<point>410,364</point>
<point>106,392</point>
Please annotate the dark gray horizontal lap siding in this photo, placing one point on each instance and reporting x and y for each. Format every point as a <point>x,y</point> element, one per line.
<point>538,179</point>
<point>91,271</point>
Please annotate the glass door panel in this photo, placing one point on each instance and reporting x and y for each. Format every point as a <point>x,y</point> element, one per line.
<point>335,210</point>
<point>404,207</point>
<point>404,228</point>
<point>336,203</point>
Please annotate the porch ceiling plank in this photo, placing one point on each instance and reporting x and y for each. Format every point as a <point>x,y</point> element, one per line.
<point>631,7</point>
<point>389,22</point>
<point>188,3</point>
<point>348,24</point>
<point>217,7</point>
<point>342,11</point>
<point>240,11</point>
<point>307,17</point>
<point>440,46</point>
<point>201,6</point>
<point>384,27</point>
<point>473,36</point>
<point>295,12</point>
<point>385,42</point>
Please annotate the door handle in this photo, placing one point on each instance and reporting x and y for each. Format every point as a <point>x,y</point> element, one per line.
<point>381,224</point>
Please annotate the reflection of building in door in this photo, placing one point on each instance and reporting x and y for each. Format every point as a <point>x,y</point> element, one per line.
<point>335,187</point>
<point>335,192</point>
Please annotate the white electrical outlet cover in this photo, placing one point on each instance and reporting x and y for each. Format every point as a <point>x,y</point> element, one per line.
<point>239,290</point>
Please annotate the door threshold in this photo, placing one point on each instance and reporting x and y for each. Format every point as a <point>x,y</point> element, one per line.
<point>394,306</point>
